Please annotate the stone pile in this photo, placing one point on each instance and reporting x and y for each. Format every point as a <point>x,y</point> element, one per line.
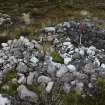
<point>83,64</point>
<point>22,57</point>
<point>77,44</point>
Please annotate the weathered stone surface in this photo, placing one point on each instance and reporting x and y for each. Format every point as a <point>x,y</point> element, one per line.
<point>26,94</point>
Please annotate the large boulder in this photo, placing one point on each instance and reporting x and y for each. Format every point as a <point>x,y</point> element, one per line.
<point>27,95</point>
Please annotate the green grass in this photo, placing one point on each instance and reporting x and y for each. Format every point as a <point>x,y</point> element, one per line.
<point>11,91</point>
<point>12,87</point>
<point>56,57</point>
<point>9,76</point>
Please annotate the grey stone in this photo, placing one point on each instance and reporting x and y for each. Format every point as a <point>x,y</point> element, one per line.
<point>52,68</point>
<point>22,68</point>
<point>4,44</point>
<point>71,68</point>
<point>67,60</point>
<point>66,88</point>
<point>26,94</point>
<point>49,87</point>
<point>67,77</point>
<point>30,78</point>
<point>4,100</point>
<point>63,69</point>
<point>89,68</point>
<point>22,79</point>
<point>43,79</point>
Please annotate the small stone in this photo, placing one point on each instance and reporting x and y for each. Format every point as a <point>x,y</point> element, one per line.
<point>90,85</point>
<point>79,86</point>
<point>51,68</point>
<point>91,50</point>
<point>30,78</point>
<point>22,79</point>
<point>67,43</point>
<point>82,52</point>
<point>61,71</point>
<point>96,62</point>
<point>4,44</point>
<point>66,88</point>
<point>71,68</point>
<point>22,68</point>
<point>73,82</point>
<point>43,79</point>
<point>1,61</point>
<point>49,29</point>
<point>50,38</point>
<point>4,100</point>
<point>67,60</point>
<point>49,86</point>
<point>103,65</point>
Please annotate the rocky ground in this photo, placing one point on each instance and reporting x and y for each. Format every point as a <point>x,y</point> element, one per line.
<point>74,62</point>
